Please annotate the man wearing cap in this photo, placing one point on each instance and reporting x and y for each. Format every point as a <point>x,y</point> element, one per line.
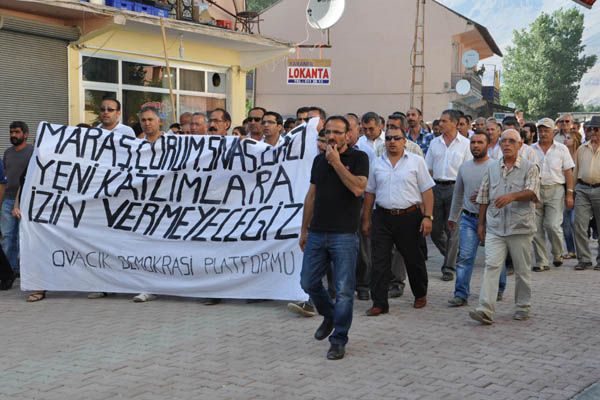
<point>507,197</point>
<point>564,124</point>
<point>556,172</point>
<point>587,200</point>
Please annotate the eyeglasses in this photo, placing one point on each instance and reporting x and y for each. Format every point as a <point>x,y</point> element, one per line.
<point>216,121</point>
<point>394,138</point>
<point>592,128</point>
<point>302,119</point>
<point>106,109</point>
<point>393,128</point>
<point>268,122</point>
<point>255,119</point>
<point>329,132</point>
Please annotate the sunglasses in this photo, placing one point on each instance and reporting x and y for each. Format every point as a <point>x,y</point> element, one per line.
<point>394,138</point>
<point>302,119</point>
<point>106,109</point>
<point>589,129</point>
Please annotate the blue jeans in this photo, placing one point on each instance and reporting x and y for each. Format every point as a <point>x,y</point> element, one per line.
<point>468,244</point>
<point>9,226</point>
<point>567,226</point>
<point>341,249</point>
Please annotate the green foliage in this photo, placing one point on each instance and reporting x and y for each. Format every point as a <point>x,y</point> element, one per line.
<point>544,66</point>
<point>259,5</point>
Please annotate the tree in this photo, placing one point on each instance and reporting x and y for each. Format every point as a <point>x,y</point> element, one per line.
<point>544,66</point>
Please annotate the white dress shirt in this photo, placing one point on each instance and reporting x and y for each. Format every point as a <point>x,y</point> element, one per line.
<point>120,128</point>
<point>399,186</point>
<point>444,161</point>
<point>495,152</point>
<point>527,152</point>
<point>378,145</point>
<point>553,163</point>
<point>365,147</point>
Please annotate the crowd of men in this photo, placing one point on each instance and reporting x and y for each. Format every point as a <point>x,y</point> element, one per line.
<point>380,186</point>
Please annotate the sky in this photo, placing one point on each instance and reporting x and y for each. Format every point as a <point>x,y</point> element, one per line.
<point>501,17</point>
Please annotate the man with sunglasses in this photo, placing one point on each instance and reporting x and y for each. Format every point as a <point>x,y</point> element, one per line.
<point>506,198</point>
<point>254,127</point>
<point>564,124</point>
<point>587,200</point>
<point>110,115</point>
<point>328,236</point>
<point>398,185</point>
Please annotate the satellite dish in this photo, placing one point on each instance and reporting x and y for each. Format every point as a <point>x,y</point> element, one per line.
<point>323,14</point>
<point>463,87</point>
<point>470,58</point>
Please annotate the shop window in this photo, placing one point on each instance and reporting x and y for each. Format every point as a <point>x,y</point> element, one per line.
<point>147,75</point>
<point>93,98</point>
<point>199,103</point>
<point>100,70</point>
<point>192,80</point>
<point>134,100</point>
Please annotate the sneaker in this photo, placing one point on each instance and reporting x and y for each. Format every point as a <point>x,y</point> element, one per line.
<point>457,302</point>
<point>583,265</point>
<point>97,295</point>
<point>395,291</point>
<point>304,309</point>
<point>521,315</point>
<point>480,316</point>
<point>558,261</point>
<point>144,297</point>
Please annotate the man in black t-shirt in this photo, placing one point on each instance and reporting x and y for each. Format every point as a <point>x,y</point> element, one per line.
<point>329,225</point>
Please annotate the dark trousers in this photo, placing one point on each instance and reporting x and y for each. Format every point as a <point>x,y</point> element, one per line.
<point>403,232</point>
<point>6,271</point>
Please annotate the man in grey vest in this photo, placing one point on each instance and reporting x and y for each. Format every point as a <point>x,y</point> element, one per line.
<point>506,198</point>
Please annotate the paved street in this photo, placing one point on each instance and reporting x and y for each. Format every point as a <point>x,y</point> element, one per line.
<point>69,347</point>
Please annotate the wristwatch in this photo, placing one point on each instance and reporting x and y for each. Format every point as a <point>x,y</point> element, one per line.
<point>428,216</point>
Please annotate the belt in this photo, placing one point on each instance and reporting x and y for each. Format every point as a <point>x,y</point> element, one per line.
<point>398,211</point>
<point>588,184</point>
<point>444,182</point>
<point>470,214</point>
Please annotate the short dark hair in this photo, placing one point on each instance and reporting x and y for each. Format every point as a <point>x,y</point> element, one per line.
<point>370,116</point>
<point>226,115</point>
<point>401,118</point>
<point>435,122</point>
<point>19,124</point>
<point>339,118</point>
<point>264,110</point>
<point>510,120</point>
<point>112,98</point>
<point>322,112</point>
<point>175,125</point>
<point>289,123</point>
<point>277,116</point>
<point>531,126</point>
<point>484,133</point>
<point>241,129</point>
<point>245,121</point>
<point>453,114</point>
<point>302,110</point>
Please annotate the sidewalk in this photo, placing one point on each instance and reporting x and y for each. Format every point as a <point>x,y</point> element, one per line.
<point>69,347</point>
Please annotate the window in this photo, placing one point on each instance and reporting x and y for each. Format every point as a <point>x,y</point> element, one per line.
<point>137,83</point>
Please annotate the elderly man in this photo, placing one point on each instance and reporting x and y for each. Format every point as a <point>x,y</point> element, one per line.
<point>564,124</point>
<point>587,200</point>
<point>507,196</point>
<point>556,171</point>
<point>198,125</point>
<point>445,155</point>
<point>398,183</point>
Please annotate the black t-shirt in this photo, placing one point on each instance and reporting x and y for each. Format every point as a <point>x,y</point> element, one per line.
<point>336,208</point>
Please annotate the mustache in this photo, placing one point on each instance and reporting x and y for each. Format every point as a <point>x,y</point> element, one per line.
<point>212,129</point>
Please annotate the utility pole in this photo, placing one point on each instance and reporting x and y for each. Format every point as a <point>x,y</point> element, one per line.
<point>417,86</point>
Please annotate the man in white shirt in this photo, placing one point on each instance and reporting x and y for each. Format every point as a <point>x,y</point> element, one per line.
<point>398,184</point>
<point>446,154</point>
<point>110,115</point>
<point>556,170</point>
<point>494,130</point>
<point>373,133</point>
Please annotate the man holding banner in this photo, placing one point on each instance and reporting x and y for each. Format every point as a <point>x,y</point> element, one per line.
<point>329,225</point>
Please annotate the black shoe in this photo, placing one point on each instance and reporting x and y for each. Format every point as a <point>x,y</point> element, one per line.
<point>7,283</point>
<point>362,295</point>
<point>447,276</point>
<point>324,330</point>
<point>395,291</point>
<point>336,352</point>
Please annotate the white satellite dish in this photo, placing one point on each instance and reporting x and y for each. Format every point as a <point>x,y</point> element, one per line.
<point>470,58</point>
<point>463,87</point>
<point>323,14</point>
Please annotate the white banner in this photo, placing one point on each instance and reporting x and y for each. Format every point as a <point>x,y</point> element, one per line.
<point>197,216</point>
